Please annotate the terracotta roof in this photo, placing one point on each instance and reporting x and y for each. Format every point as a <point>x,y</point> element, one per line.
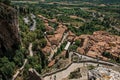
<point>100,33</point>
<point>63,53</point>
<point>71,36</point>
<point>46,50</point>
<point>53,20</point>
<point>92,54</point>
<point>61,29</point>
<point>53,40</point>
<point>51,63</point>
<point>58,34</point>
<point>71,33</point>
<point>49,28</point>
<point>101,41</point>
<point>80,50</point>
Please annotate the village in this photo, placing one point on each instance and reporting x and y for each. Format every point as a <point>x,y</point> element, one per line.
<point>93,48</point>
<point>90,45</point>
<point>59,40</point>
<point>72,57</point>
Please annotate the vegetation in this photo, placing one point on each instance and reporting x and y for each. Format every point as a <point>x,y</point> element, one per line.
<point>6,68</point>
<point>73,47</point>
<point>19,58</point>
<point>61,48</point>
<point>34,64</point>
<point>91,15</point>
<point>114,59</point>
<point>90,67</point>
<point>6,1</point>
<point>39,61</point>
<point>77,42</point>
<point>75,74</point>
<point>106,54</point>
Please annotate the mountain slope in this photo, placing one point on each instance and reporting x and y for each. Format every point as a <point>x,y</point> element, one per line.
<point>9,38</point>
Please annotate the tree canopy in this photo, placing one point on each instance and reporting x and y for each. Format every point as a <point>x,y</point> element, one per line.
<point>6,68</point>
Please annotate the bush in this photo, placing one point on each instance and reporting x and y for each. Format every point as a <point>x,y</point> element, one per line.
<point>77,42</point>
<point>106,54</point>
<point>19,58</point>
<point>73,48</point>
<point>43,43</point>
<point>6,68</point>
<point>90,67</point>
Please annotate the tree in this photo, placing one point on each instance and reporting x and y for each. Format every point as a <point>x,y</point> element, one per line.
<point>90,67</point>
<point>35,62</point>
<point>43,59</point>
<point>39,34</point>
<point>31,36</point>
<point>106,54</point>
<point>38,67</point>
<point>6,68</point>
<point>35,45</point>
<point>43,43</point>
<point>73,48</point>
<point>77,42</point>
<point>19,58</point>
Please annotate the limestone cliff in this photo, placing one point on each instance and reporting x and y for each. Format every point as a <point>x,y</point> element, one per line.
<point>9,36</point>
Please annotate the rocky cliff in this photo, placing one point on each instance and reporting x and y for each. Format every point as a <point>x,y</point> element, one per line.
<point>9,36</point>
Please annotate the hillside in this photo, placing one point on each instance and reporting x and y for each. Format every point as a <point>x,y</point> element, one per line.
<point>9,38</point>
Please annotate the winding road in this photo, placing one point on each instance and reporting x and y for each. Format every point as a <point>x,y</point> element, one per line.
<point>19,70</point>
<point>33,27</point>
<point>83,57</point>
<point>64,73</point>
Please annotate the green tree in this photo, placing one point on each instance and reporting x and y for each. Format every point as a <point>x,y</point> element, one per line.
<point>106,54</point>
<point>43,43</point>
<point>19,58</point>
<point>77,42</point>
<point>38,67</point>
<point>73,48</point>
<point>39,34</point>
<point>6,68</point>
<point>31,36</point>
<point>35,62</point>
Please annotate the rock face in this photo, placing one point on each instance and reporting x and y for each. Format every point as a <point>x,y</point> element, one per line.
<point>9,36</point>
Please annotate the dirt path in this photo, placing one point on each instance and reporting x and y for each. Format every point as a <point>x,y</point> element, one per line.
<point>30,49</point>
<point>19,70</point>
